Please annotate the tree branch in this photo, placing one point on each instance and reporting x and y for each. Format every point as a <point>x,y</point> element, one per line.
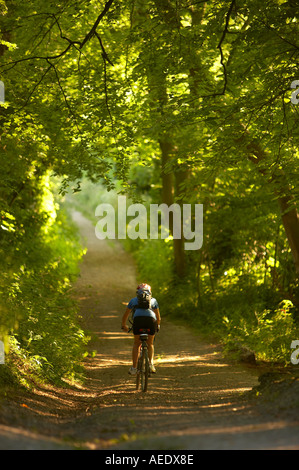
<point>81,44</point>
<point>61,89</point>
<point>96,24</point>
<point>104,53</point>
<point>35,87</point>
<point>105,58</point>
<point>57,56</point>
<point>225,31</point>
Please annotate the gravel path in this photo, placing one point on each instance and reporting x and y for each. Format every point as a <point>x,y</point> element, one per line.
<point>195,401</point>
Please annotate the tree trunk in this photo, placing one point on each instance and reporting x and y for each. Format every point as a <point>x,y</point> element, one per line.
<point>178,244</point>
<point>169,185</point>
<point>167,177</point>
<point>285,199</point>
<point>157,86</point>
<point>290,222</point>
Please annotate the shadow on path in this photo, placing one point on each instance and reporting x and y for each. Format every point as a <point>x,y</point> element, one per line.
<point>195,401</point>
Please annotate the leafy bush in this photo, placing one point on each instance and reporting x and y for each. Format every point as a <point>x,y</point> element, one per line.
<point>269,335</point>
<point>40,316</point>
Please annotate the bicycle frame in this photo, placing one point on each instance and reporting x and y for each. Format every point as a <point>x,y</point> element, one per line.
<point>143,370</point>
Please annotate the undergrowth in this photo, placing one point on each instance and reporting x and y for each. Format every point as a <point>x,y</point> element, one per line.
<point>43,339</point>
<point>251,316</point>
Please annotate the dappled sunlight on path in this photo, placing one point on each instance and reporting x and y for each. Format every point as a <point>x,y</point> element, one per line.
<point>194,401</point>
<point>196,396</point>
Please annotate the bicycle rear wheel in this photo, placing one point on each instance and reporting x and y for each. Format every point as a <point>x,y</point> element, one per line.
<point>139,371</point>
<point>144,371</point>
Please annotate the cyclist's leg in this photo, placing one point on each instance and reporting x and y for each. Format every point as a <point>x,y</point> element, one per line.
<point>152,324</point>
<point>150,347</point>
<point>135,351</point>
<point>137,324</point>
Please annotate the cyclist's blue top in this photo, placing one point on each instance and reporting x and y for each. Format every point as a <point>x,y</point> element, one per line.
<point>142,312</point>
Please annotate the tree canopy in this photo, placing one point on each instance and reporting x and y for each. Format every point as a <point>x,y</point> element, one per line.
<point>166,101</point>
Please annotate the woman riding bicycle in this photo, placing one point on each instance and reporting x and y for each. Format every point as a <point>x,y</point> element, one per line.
<point>145,316</point>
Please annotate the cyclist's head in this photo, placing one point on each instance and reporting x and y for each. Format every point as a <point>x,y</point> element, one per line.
<point>144,286</point>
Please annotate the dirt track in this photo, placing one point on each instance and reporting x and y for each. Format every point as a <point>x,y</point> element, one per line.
<point>194,401</point>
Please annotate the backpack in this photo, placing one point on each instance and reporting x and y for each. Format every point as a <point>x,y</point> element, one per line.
<point>144,299</point>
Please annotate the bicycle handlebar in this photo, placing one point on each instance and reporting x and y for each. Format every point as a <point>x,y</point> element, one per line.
<point>129,330</point>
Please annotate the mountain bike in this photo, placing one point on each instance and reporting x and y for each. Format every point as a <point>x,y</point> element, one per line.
<point>143,368</point>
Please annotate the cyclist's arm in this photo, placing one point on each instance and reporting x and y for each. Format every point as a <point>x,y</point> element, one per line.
<point>158,316</point>
<point>125,318</point>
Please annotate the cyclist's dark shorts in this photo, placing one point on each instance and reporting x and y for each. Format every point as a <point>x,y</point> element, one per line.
<point>148,323</point>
